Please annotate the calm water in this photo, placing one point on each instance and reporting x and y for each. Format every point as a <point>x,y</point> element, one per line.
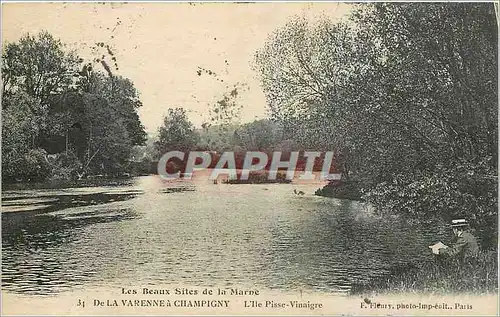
<point>199,234</point>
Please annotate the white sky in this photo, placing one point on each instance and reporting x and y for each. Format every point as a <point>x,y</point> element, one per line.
<point>160,46</point>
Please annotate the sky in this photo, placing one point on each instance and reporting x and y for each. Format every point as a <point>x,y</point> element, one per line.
<point>161,46</point>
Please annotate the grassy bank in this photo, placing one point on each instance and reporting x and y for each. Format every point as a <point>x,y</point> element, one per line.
<point>438,276</point>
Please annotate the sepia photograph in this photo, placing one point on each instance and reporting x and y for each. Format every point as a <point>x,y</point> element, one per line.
<point>249,158</point>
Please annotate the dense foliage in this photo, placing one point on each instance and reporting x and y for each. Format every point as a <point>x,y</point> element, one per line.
<point>406,96</point>
<point>62,118</point>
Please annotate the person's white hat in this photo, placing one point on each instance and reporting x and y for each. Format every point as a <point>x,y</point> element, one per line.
<point>459,222</point>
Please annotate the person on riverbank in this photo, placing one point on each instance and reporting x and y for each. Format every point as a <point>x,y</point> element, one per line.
<point>465,246</point>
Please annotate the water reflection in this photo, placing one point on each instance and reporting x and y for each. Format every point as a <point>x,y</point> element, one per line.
<point>346,246</point>
<point>158,232</point>
<point>37,226</point>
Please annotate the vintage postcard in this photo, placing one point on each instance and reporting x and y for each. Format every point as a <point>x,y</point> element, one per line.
<point>249,158</point>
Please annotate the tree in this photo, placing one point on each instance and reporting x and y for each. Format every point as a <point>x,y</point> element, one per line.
<point>433,88</point>
<point>122,97</point>
<point>18,132</point>
<point>39,66</point>
<point>404,93</point>
<point>436,84</point>
<point>177,133</point>
<point>52,106</point>
<point>306,72</point>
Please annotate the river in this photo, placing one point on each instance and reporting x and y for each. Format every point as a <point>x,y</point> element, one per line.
<point>152,231</point>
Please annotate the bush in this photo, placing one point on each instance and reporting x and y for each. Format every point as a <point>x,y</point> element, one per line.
<point>12,163</point>
<point>65,167</point>
<point>35,166</point>
<point>465,190</point>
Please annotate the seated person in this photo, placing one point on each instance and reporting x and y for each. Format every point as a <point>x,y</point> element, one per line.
<point>465,245</point>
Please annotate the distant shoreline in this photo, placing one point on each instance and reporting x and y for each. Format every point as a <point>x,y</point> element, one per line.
<point>198,176</point>
<point>57,184</point>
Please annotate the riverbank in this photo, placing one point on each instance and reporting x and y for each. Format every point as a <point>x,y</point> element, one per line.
<point>438,277</point>
<point>340,190</point>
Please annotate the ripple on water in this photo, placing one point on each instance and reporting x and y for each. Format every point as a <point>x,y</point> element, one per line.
<point>156,232</point>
